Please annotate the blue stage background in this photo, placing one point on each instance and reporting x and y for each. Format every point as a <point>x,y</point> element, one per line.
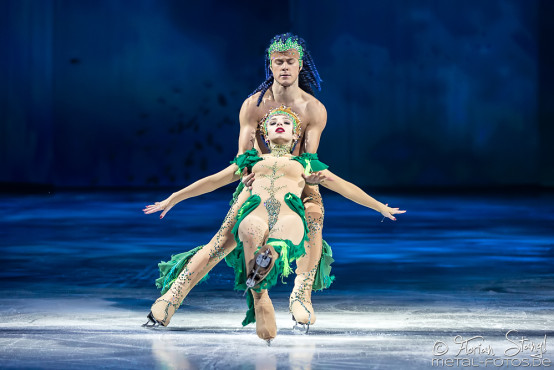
<point>147,93</point>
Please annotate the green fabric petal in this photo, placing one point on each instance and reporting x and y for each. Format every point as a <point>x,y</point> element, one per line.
<point>248,159</point>
<point>237,192</point>
<point>169,271</point>
<point>297,206</point>
<point>251,204</point>
<point>251,312</point>
<point>310,162</point>
<point>323,278</point>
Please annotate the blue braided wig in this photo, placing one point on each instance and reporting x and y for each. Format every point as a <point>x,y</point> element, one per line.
<point>308,77</point>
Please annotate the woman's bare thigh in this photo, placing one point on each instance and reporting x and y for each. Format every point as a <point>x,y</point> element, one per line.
<point>288,226</point>
<point>253,228</point>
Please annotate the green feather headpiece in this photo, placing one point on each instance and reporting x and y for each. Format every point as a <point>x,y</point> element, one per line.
<point>280,46</point>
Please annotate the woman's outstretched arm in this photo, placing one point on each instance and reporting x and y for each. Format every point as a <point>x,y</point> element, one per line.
<point>202,186</point>
<point>355,194</point>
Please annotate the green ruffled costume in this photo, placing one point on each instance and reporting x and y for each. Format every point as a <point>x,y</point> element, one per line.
<point>288,252</point>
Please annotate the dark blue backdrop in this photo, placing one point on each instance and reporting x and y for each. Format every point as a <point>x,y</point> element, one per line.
<point>147,93</point>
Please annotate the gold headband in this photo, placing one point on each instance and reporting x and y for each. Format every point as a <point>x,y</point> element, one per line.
<point>282,110</point>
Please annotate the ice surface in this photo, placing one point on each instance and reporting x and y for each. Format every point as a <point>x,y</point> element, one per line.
<point>77,276</point>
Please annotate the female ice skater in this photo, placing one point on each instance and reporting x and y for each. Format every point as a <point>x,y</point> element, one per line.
<point>270,228</point>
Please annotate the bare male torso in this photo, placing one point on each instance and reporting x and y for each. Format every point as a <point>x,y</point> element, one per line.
<point>310,110</point>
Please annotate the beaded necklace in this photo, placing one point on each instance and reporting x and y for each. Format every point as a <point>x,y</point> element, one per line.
<point>279,150</point>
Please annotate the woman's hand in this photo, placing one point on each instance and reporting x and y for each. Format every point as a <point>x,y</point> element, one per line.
<point>164,206</point>
<point>388,212</point>
<point>315,178</point>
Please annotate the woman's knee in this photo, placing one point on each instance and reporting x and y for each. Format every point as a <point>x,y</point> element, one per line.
<point>253,228</point>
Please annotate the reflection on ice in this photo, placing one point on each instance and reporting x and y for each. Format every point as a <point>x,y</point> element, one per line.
<point>77,288</point>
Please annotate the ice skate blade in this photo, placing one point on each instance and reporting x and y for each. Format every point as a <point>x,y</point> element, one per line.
<point>268,341</point>
<point>300,329</point>
<point>152,322</point>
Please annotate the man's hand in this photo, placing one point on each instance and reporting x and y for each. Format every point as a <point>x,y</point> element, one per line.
<point>247,179</point>
<point>315,178</point>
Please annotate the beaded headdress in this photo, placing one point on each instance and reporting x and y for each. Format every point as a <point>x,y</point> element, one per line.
<point>282,110</point>
<point>280,46</point>
<point>308,78</point>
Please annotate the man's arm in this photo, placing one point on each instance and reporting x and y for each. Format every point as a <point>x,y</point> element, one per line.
<point>318,120</point>
<point>248,124</point>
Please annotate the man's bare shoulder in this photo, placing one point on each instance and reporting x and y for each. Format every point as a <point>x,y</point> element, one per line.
<point>315,110</point>
<point>249,111</point>
<point>251,102</point>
